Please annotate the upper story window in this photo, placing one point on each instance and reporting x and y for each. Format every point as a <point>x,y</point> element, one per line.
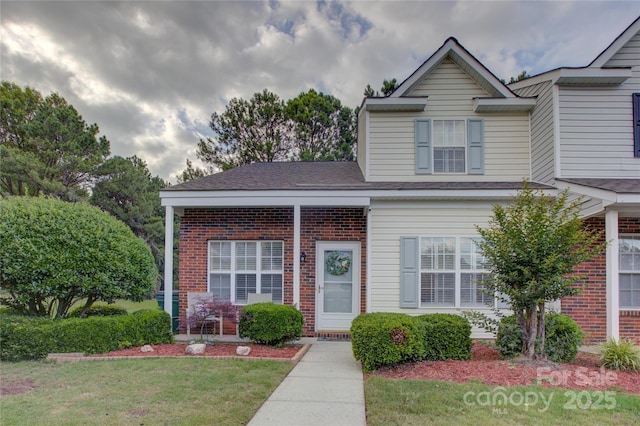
<point>449,146</point>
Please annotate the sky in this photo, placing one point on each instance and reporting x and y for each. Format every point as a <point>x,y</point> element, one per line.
<point>151,73</point>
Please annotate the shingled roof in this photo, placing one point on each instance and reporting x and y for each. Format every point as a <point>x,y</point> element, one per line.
<point>327,175</point>
<point>619,186</point>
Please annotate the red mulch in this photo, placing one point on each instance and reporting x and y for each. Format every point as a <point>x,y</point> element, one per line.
<point>486,366</point>
<point>218,349</point>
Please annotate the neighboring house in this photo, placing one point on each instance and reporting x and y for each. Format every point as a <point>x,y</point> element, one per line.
<point>393,231</point>
<point>585,132</point>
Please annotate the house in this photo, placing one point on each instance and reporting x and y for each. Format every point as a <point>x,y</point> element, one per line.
<point>393,231</point>
<point>585,134</point>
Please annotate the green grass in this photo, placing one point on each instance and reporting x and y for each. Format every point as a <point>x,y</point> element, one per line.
<point>136,306</point>
<point>408,402</point>
<point>135,392</point>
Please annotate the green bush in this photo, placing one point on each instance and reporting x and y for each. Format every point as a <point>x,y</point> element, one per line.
<point>98,311</point>
<point>446,336</point>
<point>563,337</point>
<point>380,339</point>
<point>53,252</point>
<point>620,355</point>
<point>270,324</point>
<point>23,338</point>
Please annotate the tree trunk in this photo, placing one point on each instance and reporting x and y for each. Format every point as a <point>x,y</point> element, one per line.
<point>529,332</point>
<point>541,332</point>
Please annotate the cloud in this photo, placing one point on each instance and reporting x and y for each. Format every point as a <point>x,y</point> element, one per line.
<point>151,73</point>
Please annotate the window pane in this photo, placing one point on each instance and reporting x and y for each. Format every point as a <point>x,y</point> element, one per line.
<point>449,160</point>
<point>629,290</point>
<point>473,292</point>
<point>245,284</point>
<point>219,255</point>
<point>470,258</point>
<point>220,286</point>
<point>272,283</point>
<point>438,253</point>
<point>629,250</point>
<point>271,256</point>
<point>437,289</point>
<point>246,256</point>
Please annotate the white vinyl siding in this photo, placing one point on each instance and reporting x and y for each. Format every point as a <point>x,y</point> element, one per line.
<point>596,124</point>
<point>362,146</point>
<point>596,132</point>
<point>542,132</point>
<point>392,220</point>
<point>629,268</point>
<point>237,268</point>
<point>450,92</point>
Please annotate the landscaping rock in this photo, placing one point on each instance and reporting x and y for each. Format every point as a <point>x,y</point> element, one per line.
<point>243,350</point>
<point>146,348</point>
<point>195,349</point>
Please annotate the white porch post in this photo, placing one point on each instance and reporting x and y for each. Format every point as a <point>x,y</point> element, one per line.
<point>296,255</point>
<point>613,277</point>
<point>168,259</point>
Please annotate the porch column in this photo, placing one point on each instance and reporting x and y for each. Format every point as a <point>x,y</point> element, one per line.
<point>613,277</point>
<point>168,259</point>
<point>296,255</point>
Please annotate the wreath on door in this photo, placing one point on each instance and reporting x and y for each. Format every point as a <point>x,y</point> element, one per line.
<point>338,263</point>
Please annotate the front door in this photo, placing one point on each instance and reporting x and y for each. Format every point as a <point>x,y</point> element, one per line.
<point>337,285</point>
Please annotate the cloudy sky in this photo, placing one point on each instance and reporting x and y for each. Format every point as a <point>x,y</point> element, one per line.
<point>151,73</point>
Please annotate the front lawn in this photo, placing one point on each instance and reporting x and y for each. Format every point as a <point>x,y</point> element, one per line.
<point>418,402</point>
<point>144,391</point>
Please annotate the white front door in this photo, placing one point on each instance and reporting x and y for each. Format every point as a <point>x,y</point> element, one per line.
<point>337,285</point>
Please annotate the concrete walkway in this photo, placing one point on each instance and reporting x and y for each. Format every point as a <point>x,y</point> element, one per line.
<point>324,388</point>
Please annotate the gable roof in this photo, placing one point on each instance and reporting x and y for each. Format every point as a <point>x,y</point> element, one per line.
<point>501,98</point>
<point>466,61</point>
<point>616,45</point>
<point>594,74</point>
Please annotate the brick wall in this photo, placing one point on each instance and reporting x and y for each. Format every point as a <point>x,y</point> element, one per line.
<point>198,226</point>
<point>589,309</point>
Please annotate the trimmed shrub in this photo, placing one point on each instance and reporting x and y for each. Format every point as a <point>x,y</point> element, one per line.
<point>23,338</point>
<point>98,311</point>
<point>620,355</point>
<point>270,324</point>
<point>446,336</point>
<point>381,339</point>
<point>563,337</point>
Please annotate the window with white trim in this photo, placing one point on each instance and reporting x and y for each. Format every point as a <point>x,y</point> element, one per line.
<point>449,146</point>
<point>237,268</point>
<point>452,272</point>
<point>629,269</point>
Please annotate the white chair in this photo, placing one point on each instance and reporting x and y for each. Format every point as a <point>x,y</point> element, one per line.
<point>258,298</point>
<point>195,313</point>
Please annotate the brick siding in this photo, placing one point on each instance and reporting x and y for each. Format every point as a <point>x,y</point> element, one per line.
<point>589,309</point>
<point>198,226</point>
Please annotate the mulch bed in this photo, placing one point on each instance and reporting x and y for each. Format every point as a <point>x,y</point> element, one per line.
<point>216,350</point>
<point>486,366</point>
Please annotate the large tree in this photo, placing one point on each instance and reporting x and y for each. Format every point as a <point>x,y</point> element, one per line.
<point>46,146</point>
<point>324,128</point>
<point>251,131</point>
<point>54,254</point>
<point>126,189</point>
<point>532,247</point>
